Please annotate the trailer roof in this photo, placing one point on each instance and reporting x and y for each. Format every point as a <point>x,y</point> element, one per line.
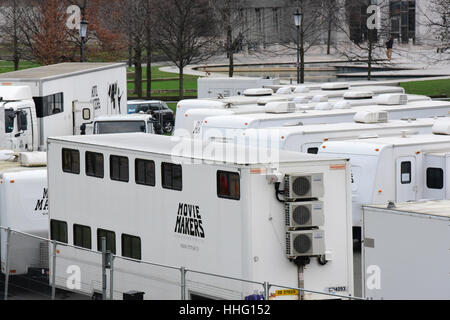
<point>57,71</point>
<point>440,208</point>
<point>179,147</point>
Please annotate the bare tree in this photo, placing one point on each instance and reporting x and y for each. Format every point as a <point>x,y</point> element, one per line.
<point>438,20</point>
<point>185,32</point>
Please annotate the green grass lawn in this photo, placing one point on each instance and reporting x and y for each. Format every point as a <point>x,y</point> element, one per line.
<point>428,88</point>
<point>8,66</point>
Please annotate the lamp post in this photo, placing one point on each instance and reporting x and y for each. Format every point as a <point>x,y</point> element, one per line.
<point>83,33</point>
<point>298,22</point>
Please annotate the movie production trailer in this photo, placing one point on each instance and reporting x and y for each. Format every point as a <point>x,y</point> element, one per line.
<point>282,218</point>
<point>68,95</point>
<point>310,138</point>
<point>24,207</point>
<point>406,251</point>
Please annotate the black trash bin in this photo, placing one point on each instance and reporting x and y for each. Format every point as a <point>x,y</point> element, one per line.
<point>133,295</point>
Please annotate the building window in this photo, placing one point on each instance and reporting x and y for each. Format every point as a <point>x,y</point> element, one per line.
<point>228,185</point>
<point>95,165</point>
<point>110,237</point>
<point>82,236</point>
<point>435,178</point>
<point>172,176</point>
<point>131,247</point>
<point>119,168</point>
<point>71,161</point>
<point>406,172</point>
<point>145,172</point>
<point>49,105</point>
<point>58,231</point>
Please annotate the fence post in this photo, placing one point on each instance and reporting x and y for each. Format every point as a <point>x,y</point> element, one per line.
<point>111,279</point>
<point>266,290</point>
<point>7,262</point>
<point>55,244</point>
<point>183,283</point>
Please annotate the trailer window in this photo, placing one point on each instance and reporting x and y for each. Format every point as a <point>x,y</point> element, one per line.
<point>435,178</point>
<point>49,105</point>
<point>71,161</point>
<point>228,185</point>
<point>131,247</point>
<point>172,176</point>
<point>110,237</point>
<point>95,165</point>
<point>145,172</point>
<point>314,150</point>
<point>82,236</point>
<point>58,231</point>
<point>406,172</point>
<point>119,168</point>
<point>10,115</point>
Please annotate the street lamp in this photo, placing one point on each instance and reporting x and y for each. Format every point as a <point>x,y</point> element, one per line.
<point>83,33</point>
<point>298,16</point>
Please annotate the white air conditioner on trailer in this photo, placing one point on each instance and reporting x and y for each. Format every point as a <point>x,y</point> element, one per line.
<point>307,243</point>
<point>304,214</point>
<point>298,187</point>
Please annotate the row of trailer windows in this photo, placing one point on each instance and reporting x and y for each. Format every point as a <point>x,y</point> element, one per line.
<point>434,176</point>
<point>82,237</point>
<point>228,183</point>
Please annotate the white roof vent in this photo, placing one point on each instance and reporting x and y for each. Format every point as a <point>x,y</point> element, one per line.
<point>335,86</point>
<point>319,98</point>
<point>33,159</point>
<point>301,89</point>
<point>324,106</point>
<point>284,90</point>
<point>15,93</point>
<point>358,95</point>
<point>442,127</point>
<point>372,117</point>
<point>280,107</point>
<point>392,99</point>
<point>301,100</point>
<point>265,100</point>
<point>258,92</point>
<point>342,105</point>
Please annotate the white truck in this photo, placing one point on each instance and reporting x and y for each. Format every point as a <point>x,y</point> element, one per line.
<point>206,207</point>
<point>24,207</point>
<point>406,251</point>
<point>65,97</point>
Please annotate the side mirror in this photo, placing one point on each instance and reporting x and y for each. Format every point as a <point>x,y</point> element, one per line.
<point>22,121</point>
<point>83,129</point>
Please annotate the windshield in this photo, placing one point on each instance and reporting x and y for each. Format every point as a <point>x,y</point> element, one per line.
<point>108,127</point>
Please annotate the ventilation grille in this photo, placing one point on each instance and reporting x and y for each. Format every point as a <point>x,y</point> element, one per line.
<point>288,244</point>
<point>301,186</point>
<point>303,244</point>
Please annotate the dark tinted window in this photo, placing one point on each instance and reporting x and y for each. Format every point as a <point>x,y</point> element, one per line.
<point>82,236</point>
<point>172,176</point>
<point>95,165</point>
<point>109,127</point>
<point>71,161</point>
<point>119,168</point>
<point>406,172</point>
<point>10,115</point>
<point>145,172</point>
<point>131,247</point>
<point>313,150</point>
<point>49,105</point>
<point>228,185</point>
<point>110,240</point>
<point>58,231</point>
<point>435,178</point>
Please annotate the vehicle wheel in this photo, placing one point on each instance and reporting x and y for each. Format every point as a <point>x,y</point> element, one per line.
<point>168,127</point>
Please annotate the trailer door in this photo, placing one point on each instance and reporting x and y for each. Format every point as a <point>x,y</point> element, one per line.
<point>83,116</point>
<point>406,179</point>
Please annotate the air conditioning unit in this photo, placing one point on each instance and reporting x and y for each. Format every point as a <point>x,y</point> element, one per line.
<point>297,187</point>
<point>319,98</point>
<point>301,89</point>
<point>280,107</point>
<point>323,106</point>
<point>358,95</point>
<point>371,117</point>
<point>335,86</point>
<point>284,90</point>
<point>305,243</point>
<point>392,99</point>
<point>301,100</point>
<point>342,105</point>
<point>304,214</point>
<point>441,127</point>
<point>258,92</point>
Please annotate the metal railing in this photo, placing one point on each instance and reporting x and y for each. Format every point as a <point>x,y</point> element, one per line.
<point>107,261</point>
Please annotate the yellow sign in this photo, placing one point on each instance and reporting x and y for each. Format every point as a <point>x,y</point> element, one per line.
<point>280,293</point>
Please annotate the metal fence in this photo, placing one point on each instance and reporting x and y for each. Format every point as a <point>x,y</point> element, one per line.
<point>37,268</point>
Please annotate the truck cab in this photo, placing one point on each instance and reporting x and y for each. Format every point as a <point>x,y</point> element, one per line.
<point>158,109</point>
<point>124,124</point>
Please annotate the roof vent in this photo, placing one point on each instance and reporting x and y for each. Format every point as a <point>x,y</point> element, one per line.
<point>265,100</point>
<point>342,105</point>
<point>371,117</point>
<point>441,127</point>
<point>301,100</point>
<point>260,92</point>
<point>392,99</point>
<point>301,89</point>
<point>358,95</point>
<point>335,86</point>
<point>319,98</point>
<point>324,106</point>
<point>284,90</point>
<point>280,107</point>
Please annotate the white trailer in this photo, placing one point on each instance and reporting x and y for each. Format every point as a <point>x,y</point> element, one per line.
<point>406,251</point>
<point>68,95</point>
<point>216,209</point>
<point>24,207</point>
<point>283,115</point>
<point>226,87</point>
